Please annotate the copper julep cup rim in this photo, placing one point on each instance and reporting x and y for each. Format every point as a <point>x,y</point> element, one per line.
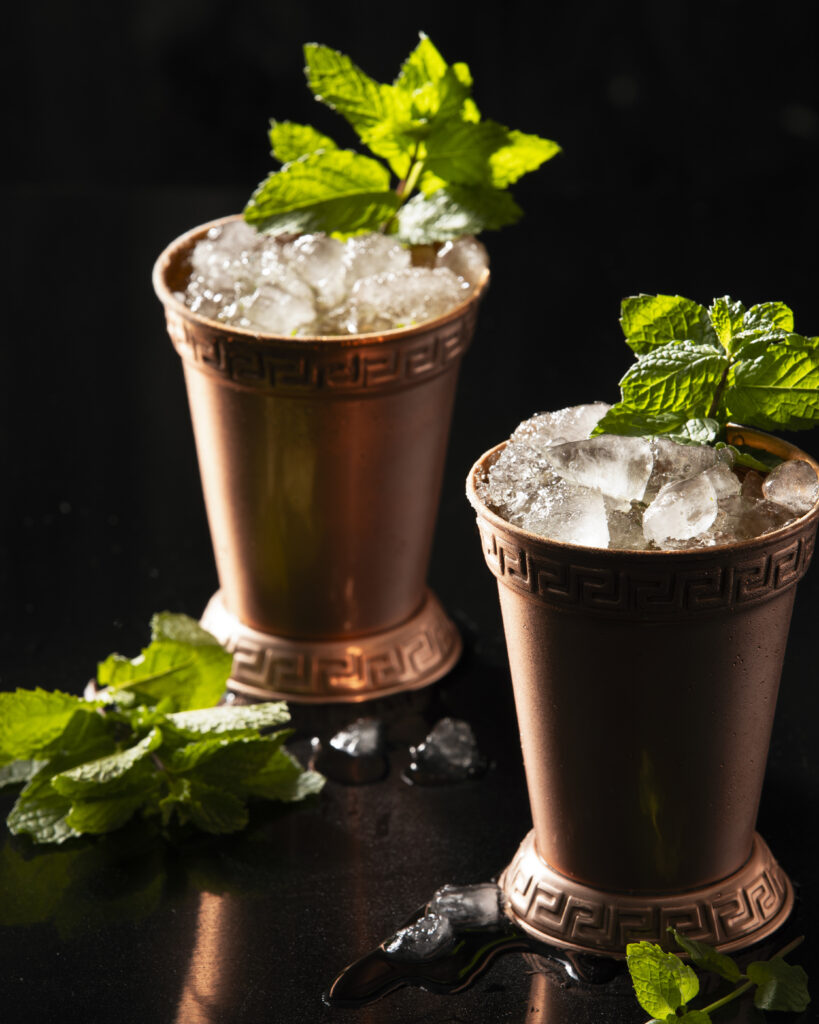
<point>184,242</point>
<point>736,435</point>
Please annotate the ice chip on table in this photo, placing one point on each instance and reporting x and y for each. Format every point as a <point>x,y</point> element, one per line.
<point>466,257</point>
<point>573,515</point>
<point>396,299</point>
<point>320,261</point>
<point>469,906</point>
<point>681,510</point>
<point>362,738</point>
<point>422,940</point>
<point>794,485</point>
<point>366,255</point>
<point>740,517</point>
<point>450,750</point>
<point>616,466</point>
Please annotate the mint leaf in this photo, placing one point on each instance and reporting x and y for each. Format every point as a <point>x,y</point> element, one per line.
<point>521,154</point>
<point>188,672</point>
<point>727,320</point>
<point>780,985</point>
<point>662,982</point>
<point>460,152</point>
<point>108,775</point>
<point>676,377</point>
<point>330,190</point>
<point>232,718</point>
<point>340,84</point>
<point>776,314</point>
<point>282,778</point>
<point>623,419</point>
<point>692,1017</point>
<point>15,772</point>
<point>212,808</point>
<point>707,958</point>
<point>289,140</point>
<point>104,815</point>
<point>31,720</point>
<point>454,211</point>
<point>180,629</point>
<point>649,321</point>
<point>779,389</point>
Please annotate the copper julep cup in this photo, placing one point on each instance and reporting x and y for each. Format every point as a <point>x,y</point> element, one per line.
<point>645,685</point>
<point>321,462</point>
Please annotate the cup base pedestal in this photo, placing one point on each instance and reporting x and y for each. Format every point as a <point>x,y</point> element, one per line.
<point>405,657</point>
<point>730,914</point>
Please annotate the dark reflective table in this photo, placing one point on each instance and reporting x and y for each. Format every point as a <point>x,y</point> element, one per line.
<point>103,524</point>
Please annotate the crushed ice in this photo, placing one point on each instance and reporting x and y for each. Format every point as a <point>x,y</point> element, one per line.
<point>635,493</point>
<point>315,285</point>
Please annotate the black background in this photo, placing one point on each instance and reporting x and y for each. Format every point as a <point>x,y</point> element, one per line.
<point>690,135</point>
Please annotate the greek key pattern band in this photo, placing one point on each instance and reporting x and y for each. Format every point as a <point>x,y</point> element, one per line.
<point>640,585</point>
<point>404,657</point>
<point>560,910</point>
<point>305,367</point>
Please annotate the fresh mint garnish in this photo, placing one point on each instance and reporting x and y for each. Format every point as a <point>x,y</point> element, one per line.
<point>664,985</point>
<point>441,170</point>
<point>698,368</point>
<point>152,743</point>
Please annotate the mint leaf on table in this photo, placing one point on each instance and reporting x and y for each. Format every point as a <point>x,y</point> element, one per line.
<point>662,982</point>
<point>89,766</point>
<point>185,667</point>
<point>780,985</point>
<point>707,958</point>
<point>726,362</point>
<point>429,131</point>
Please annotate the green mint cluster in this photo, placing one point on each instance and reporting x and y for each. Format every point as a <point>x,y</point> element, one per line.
<point>697,369</point>
<point>665,986</point>
<point>443,170</point>
<point>152,743</point>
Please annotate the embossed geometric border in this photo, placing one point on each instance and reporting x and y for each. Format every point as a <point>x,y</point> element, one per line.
<point>647,584</point>
<point>405,657</point>
<point>359,364</point>
<point>731,914</point>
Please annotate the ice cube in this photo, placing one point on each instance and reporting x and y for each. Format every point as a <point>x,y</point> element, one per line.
<point>681,510</point>
<point>450,751</point>
<point>673,462</point>
<point>619,467</point>
<point>422,940</point>
<point>320,261</point>
<point>740,518</point>
<point>362,738</point>
<point>469,906</point>
<point>466,257</point>
<point>274,310</point>
<point>573,515</point>
<point>625,525</point>
<point>366,255</point>
<point>794,485</point>
<point>396,299</point>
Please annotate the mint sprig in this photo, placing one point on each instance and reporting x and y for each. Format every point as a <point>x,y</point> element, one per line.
<point>698,368</point>
<point>665,986</point>
<point>151,744</point>
<point>442,170</point>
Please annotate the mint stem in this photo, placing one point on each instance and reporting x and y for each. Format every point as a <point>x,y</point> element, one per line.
<point>712,412</point>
